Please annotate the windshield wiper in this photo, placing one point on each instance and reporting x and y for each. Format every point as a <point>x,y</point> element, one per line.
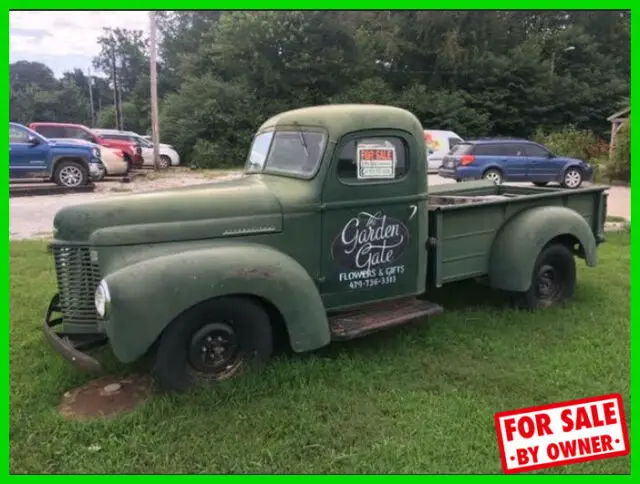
<point>304,142</point>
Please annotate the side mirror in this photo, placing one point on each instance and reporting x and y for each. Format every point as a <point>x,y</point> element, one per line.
<point>551,155</point>
<point>33,140</point>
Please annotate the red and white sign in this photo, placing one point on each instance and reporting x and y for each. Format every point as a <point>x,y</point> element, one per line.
<point>562,433</point>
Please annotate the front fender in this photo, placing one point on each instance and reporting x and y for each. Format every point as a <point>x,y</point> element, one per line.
<point>148,295</point>
<point>519,242</point>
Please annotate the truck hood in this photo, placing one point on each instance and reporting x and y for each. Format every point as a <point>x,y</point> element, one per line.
<point>70,143</point>
<point>238,207</point>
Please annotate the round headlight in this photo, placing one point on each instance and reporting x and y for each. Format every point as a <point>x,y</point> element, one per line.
<point>96,152</point>
<point>102,299</point>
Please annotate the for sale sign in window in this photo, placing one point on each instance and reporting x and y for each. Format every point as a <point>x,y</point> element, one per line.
<point>376,161</point>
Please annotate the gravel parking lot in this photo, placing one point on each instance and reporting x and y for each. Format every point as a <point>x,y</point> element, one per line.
<point>32,217</point>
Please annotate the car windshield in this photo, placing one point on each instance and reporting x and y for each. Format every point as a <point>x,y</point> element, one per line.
<point>295,152</point>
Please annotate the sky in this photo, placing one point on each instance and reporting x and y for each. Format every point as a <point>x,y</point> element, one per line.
<point>65,40</point>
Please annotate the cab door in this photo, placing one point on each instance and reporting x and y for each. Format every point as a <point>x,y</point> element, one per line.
<point>373,219</point>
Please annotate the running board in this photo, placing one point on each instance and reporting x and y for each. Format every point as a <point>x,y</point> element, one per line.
<point>377,316</point>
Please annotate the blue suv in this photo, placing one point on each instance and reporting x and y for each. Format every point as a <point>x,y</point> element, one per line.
<point>67,164</point>
<point>513,161</point>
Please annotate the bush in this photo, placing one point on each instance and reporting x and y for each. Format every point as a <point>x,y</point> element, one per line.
<point>619,167</point>
<point>206,154</point>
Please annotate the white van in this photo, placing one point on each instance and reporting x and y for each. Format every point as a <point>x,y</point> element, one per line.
<point>439,143</point>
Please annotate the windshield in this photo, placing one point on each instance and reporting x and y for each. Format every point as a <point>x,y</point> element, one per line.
<point>296,152</point>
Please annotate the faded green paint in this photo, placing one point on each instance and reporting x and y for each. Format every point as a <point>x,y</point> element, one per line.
<point>153,292</point>
<point>272,236</point>
<point>517,245</point>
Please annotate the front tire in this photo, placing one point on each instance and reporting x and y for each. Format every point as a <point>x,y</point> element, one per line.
<point>70,174</point>
<point>572,178</point>
<point>553,280</point>
<point>213,341</point>
<point>493,175</point>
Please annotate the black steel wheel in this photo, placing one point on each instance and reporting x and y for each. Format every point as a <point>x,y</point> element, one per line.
<point>213,341</point>
<point>553,280</point>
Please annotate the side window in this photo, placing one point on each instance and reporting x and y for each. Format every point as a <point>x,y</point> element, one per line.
<point>79,133</point>
<point>17,135</point>
<point>535,150</point>
<point>513,149</point>
<point>373,159</point>
<point>51,131</point>
<point>487,150</point>
<point>453,142</point>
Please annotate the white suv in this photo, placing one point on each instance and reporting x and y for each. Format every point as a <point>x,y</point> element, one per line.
<point>168,156</point>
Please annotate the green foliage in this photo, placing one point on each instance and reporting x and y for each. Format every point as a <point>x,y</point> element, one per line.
<point>572,142</point>
<point>620,164</point>
<point>106,118</point>
<point>221,73</point>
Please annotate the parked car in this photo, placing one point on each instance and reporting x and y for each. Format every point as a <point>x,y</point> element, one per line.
<point>513,161</point>
<point>439,143</point>
<point>168,155</point>
<point>133,152</point>
<point>113,159</point>
<point>67,164</point>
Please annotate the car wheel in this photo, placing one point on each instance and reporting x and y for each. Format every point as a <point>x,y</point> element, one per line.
<point>493,175</point>
<point>213,341</point>
<point>572,178</point>
<point>553,280</point>
<point>70,174</point>
<point>541,184</point>
<point>165,162</point>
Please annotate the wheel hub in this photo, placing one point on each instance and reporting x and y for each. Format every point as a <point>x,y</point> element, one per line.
<point>213,348</point>
<point>547,284</point>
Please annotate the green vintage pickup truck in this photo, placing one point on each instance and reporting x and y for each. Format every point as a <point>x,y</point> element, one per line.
<point>330,233</point>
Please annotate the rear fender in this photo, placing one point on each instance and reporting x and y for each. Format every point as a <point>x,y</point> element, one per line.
<point>519,242</point>
<point>148,295</point>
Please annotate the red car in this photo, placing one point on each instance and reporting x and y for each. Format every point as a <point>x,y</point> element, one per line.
<point>132,151</point>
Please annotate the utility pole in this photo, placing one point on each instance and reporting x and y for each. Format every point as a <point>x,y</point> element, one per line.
<point>91,98</point>
<point>155,129</point>
<point>116,106</point>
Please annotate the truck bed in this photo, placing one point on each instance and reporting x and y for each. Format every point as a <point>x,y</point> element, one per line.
<point>464,219</point>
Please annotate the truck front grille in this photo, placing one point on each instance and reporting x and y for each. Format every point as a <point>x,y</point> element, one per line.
<point>78,279</point>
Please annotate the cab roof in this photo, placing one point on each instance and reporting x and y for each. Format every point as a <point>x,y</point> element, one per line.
<point>340,119</point>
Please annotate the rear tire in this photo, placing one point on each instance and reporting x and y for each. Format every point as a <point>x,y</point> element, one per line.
<point>70,174</point>
<point>553,279</point>
<point>165,162</point>
<point>493,175</point>
<point>213,341</point>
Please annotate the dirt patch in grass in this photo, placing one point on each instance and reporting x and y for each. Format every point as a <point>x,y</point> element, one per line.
<point>105,397</point>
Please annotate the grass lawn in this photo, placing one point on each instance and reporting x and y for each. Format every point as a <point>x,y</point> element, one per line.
<point>418,399</point>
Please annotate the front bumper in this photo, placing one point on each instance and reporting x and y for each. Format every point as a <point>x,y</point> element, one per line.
<point>71,346</point>
<point>96,171</point>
